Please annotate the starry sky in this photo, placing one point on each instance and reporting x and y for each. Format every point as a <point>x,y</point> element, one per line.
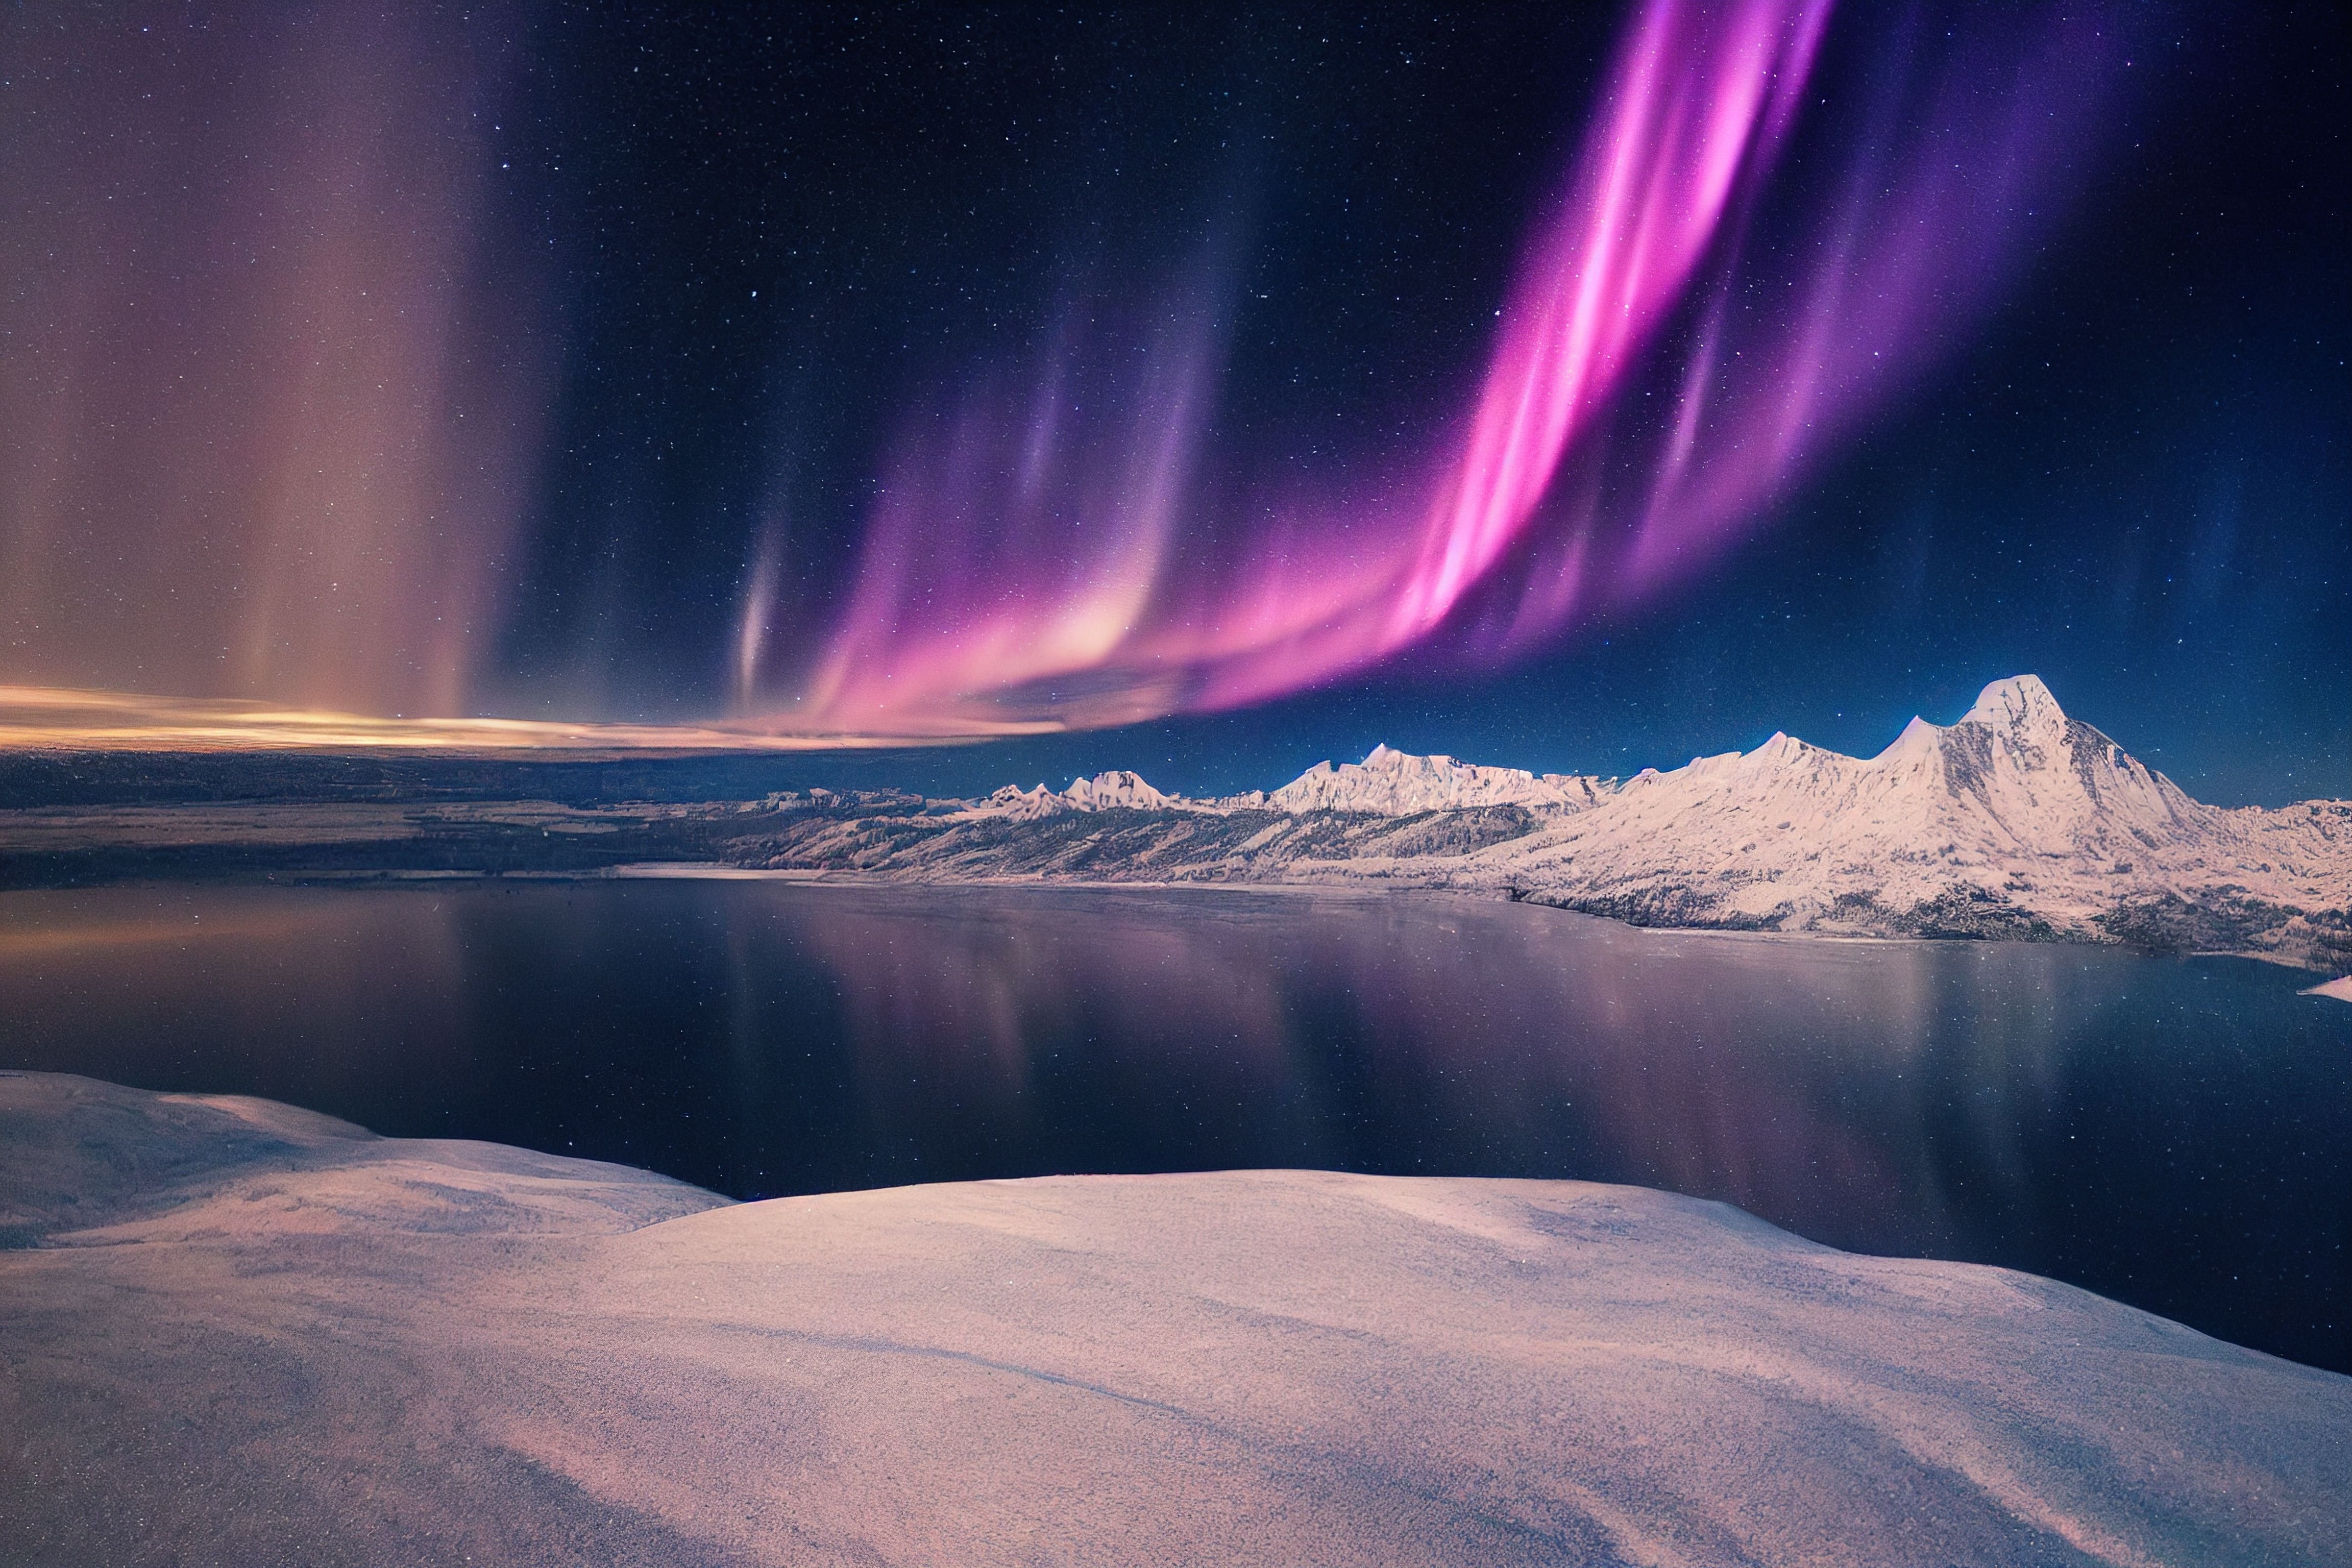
<point>495,361</point>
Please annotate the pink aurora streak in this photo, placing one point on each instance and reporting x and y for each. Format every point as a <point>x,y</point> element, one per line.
<point>1032,567</point>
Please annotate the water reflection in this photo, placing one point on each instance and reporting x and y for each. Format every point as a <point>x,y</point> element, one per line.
<point>2173,1133</point>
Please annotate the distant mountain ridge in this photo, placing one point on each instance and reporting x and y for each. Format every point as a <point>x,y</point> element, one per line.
<point>1397,783</point>
<point>2016,820</point>
<point>1386,782</point>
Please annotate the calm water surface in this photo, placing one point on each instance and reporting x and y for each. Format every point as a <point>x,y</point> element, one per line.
<point>2174,1133</point>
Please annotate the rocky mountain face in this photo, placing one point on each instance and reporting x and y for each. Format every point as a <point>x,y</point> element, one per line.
<point>2015,821</point>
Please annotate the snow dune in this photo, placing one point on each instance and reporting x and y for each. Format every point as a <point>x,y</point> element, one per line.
<point>235,1333</point>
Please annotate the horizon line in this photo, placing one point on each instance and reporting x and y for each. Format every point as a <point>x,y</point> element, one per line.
<point>84,718</point>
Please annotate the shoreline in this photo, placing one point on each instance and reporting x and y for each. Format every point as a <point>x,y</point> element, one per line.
<point>2336,988</point>
<point>721,872</point>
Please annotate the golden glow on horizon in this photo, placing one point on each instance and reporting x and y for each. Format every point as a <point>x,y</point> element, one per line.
<point>62,719</point>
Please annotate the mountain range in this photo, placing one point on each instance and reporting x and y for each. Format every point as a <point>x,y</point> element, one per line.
<point>2015,821</point>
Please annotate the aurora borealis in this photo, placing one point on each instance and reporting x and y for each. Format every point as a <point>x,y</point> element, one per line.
<point>985,582</point>
<point>716,380</point>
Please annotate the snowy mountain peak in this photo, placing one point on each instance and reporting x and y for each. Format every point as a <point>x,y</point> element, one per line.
<point>1390,782</point>
<point>2021,703</point>
<point>2040,779</point>
<point>2014,820</point>
<point>1024,804</point>
<point>2010,803</point>
<point>1918,741</point>
<point>1115,790</point>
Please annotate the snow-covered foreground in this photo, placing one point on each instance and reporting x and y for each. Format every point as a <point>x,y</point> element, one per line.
<point>2014,821</point>
<point>236,1332</point>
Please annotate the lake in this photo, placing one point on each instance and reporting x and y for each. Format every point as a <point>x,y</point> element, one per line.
<point>2174,1133</point>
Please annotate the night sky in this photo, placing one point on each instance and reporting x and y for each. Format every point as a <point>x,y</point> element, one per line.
<point>675,295</point>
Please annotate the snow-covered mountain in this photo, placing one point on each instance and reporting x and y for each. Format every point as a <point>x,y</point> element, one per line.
<point>1386,782</point>
<point>1396,783</point>
<point>1120,789</point>
<point>2015,820</point>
